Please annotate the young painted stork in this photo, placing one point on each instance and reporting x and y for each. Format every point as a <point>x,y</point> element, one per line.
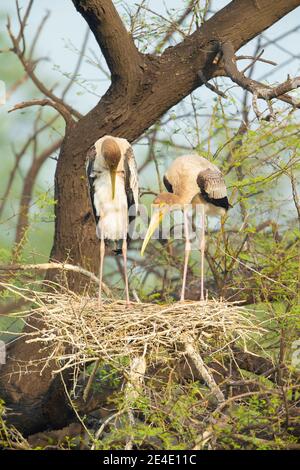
<point>190,179</point>
<point>113,186</point>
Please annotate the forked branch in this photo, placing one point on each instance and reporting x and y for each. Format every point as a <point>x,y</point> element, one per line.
<point>258,90</point>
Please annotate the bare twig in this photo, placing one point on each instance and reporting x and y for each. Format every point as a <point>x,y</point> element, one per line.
<point>296,197</point>
<point>29,69</point>
<point>259,90</point>
<point>210,86</point>
<point>61,266</point>
<point>197,360</point>
<point>46,102</point>
<point>175,25</point>
<point>26,196</point>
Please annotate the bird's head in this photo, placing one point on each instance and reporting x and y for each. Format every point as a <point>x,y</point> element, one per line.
<point>112,155</point>
<point>162,204</point>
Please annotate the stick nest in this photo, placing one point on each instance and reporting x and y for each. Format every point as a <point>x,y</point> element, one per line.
<point>79,331</point>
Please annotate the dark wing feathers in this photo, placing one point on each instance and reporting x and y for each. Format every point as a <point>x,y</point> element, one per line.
<point>167,184</point>
<point>132,172</point>
<point>131,182</point>
<point>212,187</point>
<point>90,158</point>
<point>128,190</point>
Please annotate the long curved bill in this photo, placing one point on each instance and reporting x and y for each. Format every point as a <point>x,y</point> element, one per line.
<point>156,218</point>
<point>113,183</point>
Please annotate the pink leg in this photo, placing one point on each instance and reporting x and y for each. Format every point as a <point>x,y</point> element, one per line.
<point>187,251</point>
<point>124,252</point>
<point>202,248</point>
<point>102,254</point>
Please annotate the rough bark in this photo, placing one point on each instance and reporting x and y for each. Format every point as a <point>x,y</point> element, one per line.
<point>143,88</point>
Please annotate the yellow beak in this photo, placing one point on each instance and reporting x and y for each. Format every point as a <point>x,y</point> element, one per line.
<point>113,183</point>
<point>156,218</point>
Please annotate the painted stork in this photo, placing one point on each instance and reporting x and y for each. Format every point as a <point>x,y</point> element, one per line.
<point>113,186</point>
<point>190,179</point>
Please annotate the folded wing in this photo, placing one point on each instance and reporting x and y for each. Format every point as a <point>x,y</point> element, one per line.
<point>212,184</point>
<point>90,159</point>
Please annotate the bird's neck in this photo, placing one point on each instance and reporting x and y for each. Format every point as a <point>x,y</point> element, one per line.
<point>177,199</point>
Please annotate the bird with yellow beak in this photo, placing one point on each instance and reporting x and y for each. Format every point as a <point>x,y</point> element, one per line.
<point>113,187</point>
<point>162,204</point>
<point>190,180</point>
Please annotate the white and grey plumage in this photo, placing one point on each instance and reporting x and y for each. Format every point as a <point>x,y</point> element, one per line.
<point>191,179</point>
<point>113,186</point>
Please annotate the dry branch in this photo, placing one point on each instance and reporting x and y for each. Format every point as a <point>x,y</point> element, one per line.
<point>29,69</point>
<point>60,266</point>
<point>191,352</point>
<point>27,190</point>
<point>64,112</point>
<point>258,90</point>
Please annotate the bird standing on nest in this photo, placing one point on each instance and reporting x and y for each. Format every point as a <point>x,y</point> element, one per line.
<point>113,186</point>
<point>190,179</point>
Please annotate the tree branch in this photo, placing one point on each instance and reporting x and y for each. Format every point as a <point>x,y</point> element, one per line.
<point>122,56</point>
<point>18,156</point>
<point>29,69</point>
<point>27,190</point>
<point>204,372</point>
<point>175,74</point>
<point>259,90</point>
<point>64,112</point>
<point>61,266</point>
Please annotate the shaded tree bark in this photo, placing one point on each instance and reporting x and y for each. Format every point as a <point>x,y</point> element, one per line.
<point>143,88</point>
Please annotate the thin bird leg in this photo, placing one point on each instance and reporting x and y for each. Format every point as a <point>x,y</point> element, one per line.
<point>187,251</point>
<point>124,252</point>
<point>102,254</point>
<point>202,248</point>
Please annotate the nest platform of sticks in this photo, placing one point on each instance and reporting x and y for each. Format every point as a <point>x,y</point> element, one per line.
<point>78,331</point>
